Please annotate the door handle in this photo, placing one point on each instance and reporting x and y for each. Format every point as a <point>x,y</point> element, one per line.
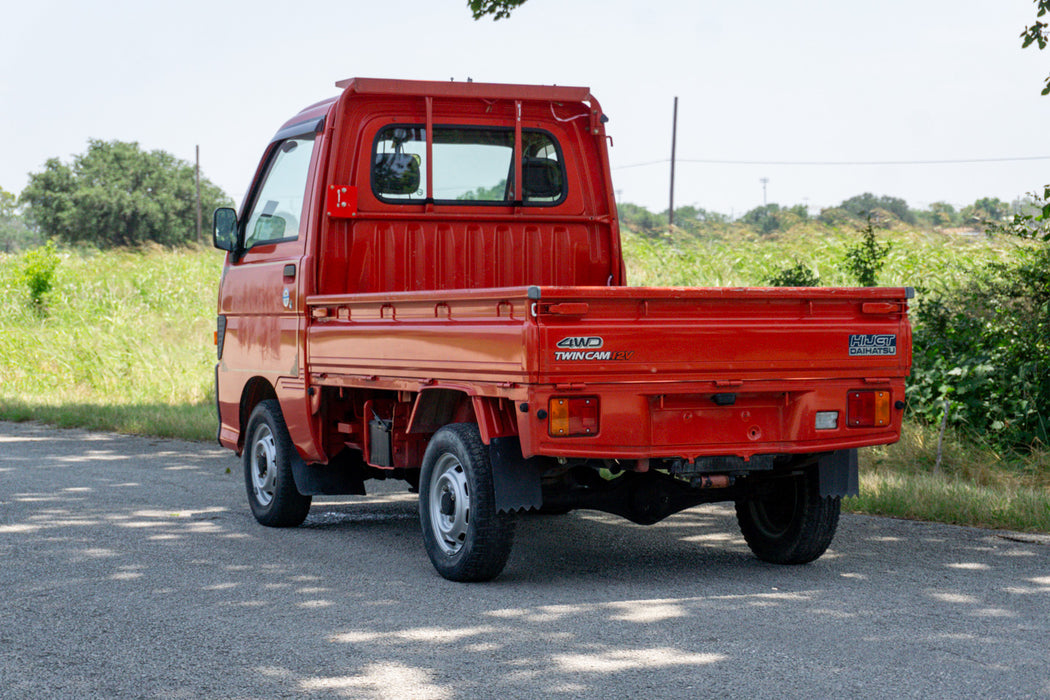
<point>289,271</point>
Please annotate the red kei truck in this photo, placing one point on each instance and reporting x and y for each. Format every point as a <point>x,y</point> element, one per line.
<point>425,282</point>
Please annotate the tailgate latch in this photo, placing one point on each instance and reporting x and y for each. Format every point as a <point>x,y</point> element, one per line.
<point>574,308</point>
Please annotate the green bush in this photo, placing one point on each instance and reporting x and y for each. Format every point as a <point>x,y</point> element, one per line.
<point>985,347</point>
<point>37,273</point>
<point>797,275</point>
<point>866,259</point>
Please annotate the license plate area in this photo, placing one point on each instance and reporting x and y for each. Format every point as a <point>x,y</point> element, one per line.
<point>696,419</point>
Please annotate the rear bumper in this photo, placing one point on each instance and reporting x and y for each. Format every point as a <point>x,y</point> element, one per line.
<point>683,420</point>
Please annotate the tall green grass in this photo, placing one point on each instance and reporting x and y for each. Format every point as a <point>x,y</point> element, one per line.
<point>123,341</point>
<point>920,259</point>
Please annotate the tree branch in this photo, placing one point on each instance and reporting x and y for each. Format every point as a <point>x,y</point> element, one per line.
<point>499,9</point>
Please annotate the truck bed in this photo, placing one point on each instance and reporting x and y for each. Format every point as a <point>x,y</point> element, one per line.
<point>773,357</point>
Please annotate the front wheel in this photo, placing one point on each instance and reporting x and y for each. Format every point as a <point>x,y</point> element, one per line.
<point>787,521</point>
<point>272,495</point>
<point>464,535</point>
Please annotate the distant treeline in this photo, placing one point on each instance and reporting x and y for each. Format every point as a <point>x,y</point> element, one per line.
<point>886,210</point>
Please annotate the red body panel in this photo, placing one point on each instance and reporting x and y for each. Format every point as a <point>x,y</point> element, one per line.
<point>509,306</point>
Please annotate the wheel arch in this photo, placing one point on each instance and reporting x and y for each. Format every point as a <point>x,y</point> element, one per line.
<point>255,391</point>
<point>440,406</point>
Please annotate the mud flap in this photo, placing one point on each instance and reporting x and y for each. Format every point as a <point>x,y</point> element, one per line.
<point>335,479</point>
<point>516,480</point>
<point>838,474</point>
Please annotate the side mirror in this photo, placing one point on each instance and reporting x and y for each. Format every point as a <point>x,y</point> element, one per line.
<point>225,229</point>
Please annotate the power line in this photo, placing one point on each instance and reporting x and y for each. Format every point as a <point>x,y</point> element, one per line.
<point>956,161</point>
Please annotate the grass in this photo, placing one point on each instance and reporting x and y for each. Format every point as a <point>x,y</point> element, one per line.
<point>952,500</point>
<point>974,485</point>
<point>125,343</point>
<point>733,258</point>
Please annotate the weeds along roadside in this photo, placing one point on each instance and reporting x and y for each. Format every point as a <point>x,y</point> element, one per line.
<point>125,343</point>
<point>975,484</point>
<point>122,341</point>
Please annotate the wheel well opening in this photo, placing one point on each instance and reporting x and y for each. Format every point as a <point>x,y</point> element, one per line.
<point>255,391</point>
<point>436,408</point>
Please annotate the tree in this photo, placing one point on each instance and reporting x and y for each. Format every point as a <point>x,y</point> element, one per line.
<point>8,203</point>
<point>772,217</point>
<point>864,204</point>
<point>943,214</point>
<point>640,218</point>
<point>116,194</point>
<point>986,210</point>
<point>1037,33</point>
<point>14,234</point>
<point>763,219</point>
<point>499,9</point>
<point>692,218</point>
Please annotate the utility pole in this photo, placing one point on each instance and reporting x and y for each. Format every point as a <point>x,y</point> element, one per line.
<point>200,238</point>
<point>674,138</point>
<point>764,181</point>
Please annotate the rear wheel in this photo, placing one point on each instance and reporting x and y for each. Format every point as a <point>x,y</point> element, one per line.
<point>464,535</point>
<point>787,521</point>
<point>272,495</point>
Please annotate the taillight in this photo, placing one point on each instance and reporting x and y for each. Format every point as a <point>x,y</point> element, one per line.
<point>868,409</point>
<point>577,415</point>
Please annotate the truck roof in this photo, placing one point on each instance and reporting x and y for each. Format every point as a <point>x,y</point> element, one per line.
<point>434,88</point>
<point>492,91</point>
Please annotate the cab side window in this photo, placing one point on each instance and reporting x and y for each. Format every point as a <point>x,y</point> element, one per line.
<point>278,204</point>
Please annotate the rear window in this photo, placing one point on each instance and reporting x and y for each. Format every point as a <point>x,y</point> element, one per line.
<point>472,165</point>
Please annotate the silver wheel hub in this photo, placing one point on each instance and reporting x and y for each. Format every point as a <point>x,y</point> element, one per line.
<point>448,503</point>
<point>263,465</point>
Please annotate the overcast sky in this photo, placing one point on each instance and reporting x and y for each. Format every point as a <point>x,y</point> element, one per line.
<point>757,80</point>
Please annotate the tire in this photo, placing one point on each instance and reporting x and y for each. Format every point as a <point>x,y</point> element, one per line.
<point>465,537</point>
<point>268,451</point>
<point>791,524</point>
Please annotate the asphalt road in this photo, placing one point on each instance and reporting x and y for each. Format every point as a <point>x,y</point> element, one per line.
<point>132,568</point>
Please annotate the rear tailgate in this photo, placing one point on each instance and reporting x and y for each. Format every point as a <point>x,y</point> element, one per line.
<point>721,371</point>
<point>607,334</point>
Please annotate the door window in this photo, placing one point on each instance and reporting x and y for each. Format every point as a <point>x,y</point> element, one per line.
<point>278,205</point>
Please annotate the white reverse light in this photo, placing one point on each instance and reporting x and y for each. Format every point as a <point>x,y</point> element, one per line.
<point>827,420</point>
